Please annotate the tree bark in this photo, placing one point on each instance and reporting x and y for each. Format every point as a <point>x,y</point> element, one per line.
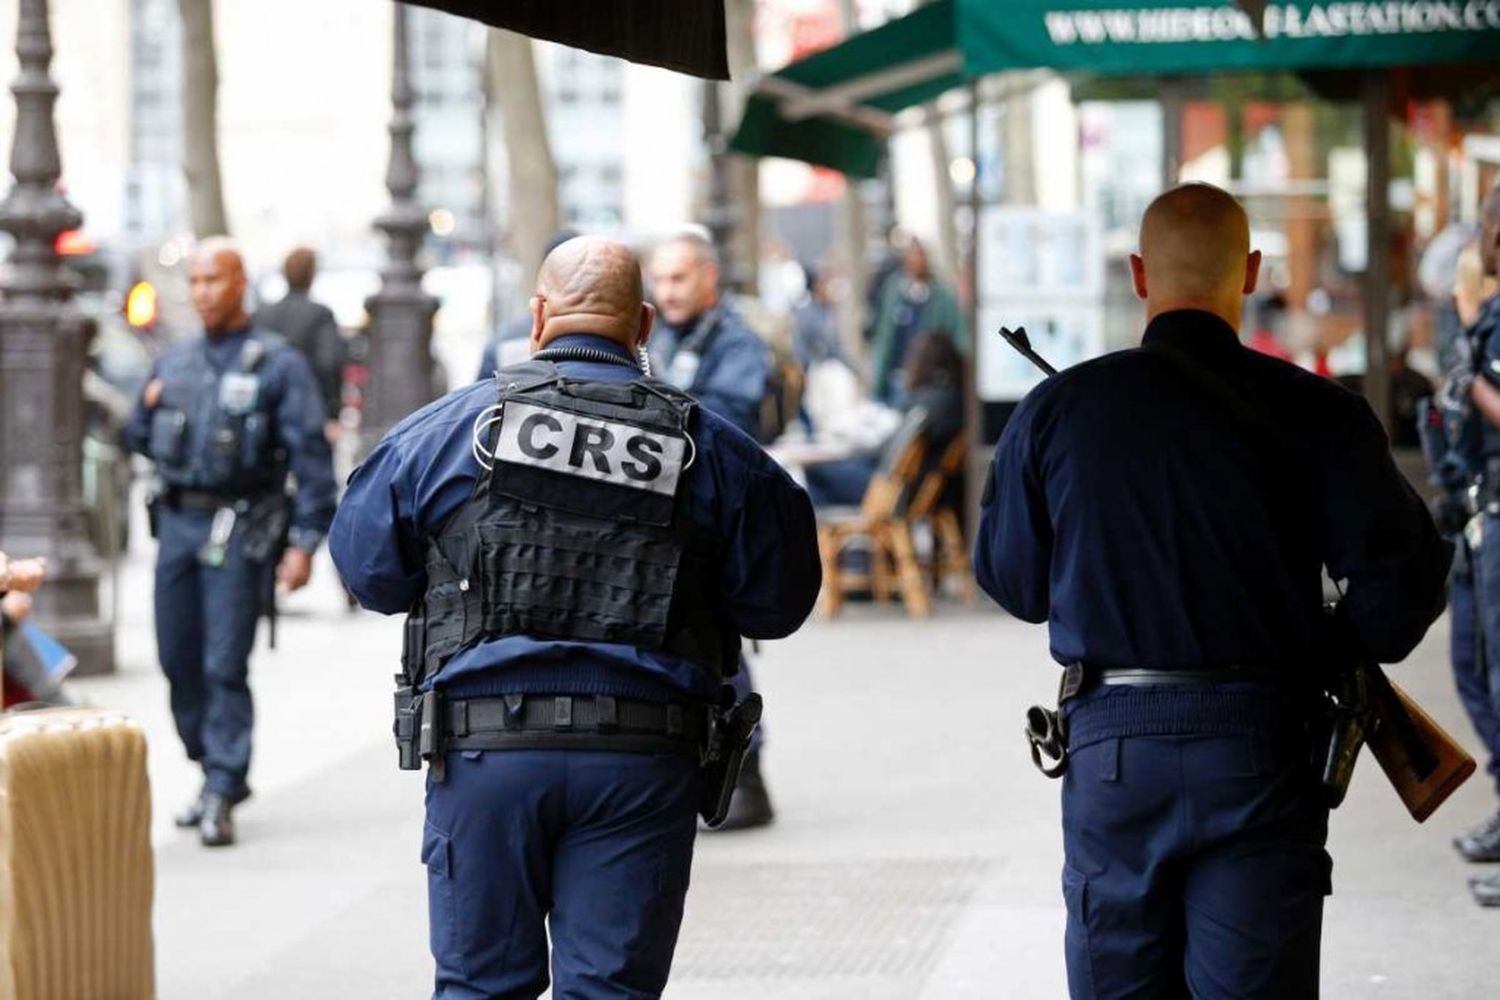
<point>200,119</point>
<point>853,232</point>
<point>947,251</point>
<point>535,216</point>
<point>743,171</point>
<point>1020,147</point>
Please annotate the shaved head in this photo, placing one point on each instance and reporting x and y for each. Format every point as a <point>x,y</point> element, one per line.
<point>216,283</point>
<point>1195,253</point>
<point>590,285</point>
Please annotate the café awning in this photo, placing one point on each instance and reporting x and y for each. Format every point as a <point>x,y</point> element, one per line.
<point>835,107</point>
<point>685,35</point>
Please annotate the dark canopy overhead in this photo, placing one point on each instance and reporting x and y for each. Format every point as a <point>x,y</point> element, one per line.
<point>684,35</point>
<point>834,107</point>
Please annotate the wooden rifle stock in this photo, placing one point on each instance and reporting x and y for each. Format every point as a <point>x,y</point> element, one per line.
<point>1422,762</point>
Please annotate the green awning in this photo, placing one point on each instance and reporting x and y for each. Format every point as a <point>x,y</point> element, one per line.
<point>834,108</point>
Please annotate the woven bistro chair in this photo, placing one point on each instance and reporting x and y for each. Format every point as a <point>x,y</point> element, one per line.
<point>880,520</point>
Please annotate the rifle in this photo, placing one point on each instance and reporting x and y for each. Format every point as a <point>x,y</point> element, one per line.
<point>1423,763</point>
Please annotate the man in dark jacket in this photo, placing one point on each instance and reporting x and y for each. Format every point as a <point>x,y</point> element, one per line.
<point>1169,511</point>
<point>309,327</point>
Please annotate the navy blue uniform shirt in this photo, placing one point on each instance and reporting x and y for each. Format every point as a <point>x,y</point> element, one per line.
<point>730,366</point>
<point>1133,513</point>
<point>288,393</point>
<point>424,470</point>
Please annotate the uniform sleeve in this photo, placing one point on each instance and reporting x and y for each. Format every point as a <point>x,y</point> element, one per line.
<point>1013,548</point>
<point>772,570</point>
<point>736,385</point>
<point>299,426</point>
<point>374,540</point>
<point>1380,539</point>
<point>412,481</point>
<point>137,432</point>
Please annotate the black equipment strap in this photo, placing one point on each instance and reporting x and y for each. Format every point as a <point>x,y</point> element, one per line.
<point>554,722</point>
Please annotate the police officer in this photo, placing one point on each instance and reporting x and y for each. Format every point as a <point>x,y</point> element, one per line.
<point>706,349</point>
<point>1455,439</point>
<point>582,547</point>
<point>227,417</point>
<point>1483,692</point>
<point>1168,511</point>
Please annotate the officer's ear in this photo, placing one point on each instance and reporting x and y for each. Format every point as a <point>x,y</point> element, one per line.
<point>538,307</point>
<point>1252,272</point>
<point>648,317</point>
<point>1138,276</point>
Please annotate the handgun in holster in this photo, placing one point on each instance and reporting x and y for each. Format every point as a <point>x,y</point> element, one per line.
<point>730,730</point>
<point>1346,711</point>
<point>418,726</point>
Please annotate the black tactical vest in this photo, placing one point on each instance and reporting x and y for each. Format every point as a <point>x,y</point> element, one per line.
<point>580,529</point>
<point>216,430</point>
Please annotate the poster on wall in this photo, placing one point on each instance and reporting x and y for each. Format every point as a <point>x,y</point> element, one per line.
<point>1044,271</point>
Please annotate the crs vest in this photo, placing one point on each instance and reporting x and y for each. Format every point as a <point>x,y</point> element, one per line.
<point>580,528</point>
<point>214,431</point>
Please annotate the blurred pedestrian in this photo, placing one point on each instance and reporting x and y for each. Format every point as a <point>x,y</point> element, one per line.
<point>581,576</point>
<point>815,324</point>
<point>935,377</point>
<point>913,300</point>
<point>229,418</point>
<point>311,328</point>
<point>1455,451</point>
<point>1170,511</point>
<point>1484,389</point>
<point>706,349</point>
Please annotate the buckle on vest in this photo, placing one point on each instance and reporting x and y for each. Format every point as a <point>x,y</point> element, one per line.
<point>562,712</point>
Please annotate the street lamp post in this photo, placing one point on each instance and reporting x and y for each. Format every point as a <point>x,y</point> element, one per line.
<point>43,339</point>
<point>400,313</point>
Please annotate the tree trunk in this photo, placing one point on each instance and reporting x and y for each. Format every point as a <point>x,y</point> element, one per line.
<point>851,247</point>
<point>947,251</point>
<point>200,119</point>
<point>1020,148</point>
<point>743,172</point>
<point>510,65</point>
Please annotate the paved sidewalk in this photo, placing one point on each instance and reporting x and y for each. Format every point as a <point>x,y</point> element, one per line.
<point>916,854</point>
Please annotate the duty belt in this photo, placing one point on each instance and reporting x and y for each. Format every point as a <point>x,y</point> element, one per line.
<point>1047,731</point>
<point>428,725</point>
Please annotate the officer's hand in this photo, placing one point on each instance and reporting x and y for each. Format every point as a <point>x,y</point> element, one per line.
<point>295,570</point>
<point>332,431</point>
<point>15,607</point>
<point>22,574</point>
<point>152,395</point>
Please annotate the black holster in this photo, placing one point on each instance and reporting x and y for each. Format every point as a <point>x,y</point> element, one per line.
<point>730,730</point>
<point>419,730</point>
<point>1047,730</point>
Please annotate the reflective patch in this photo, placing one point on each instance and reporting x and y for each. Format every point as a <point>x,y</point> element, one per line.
<point>237,393</point>
<point>590,447</point>
<point>1495,365</point>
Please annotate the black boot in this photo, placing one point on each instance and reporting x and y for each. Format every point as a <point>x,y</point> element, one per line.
<point>1481,843</point>
<point>216,829</point>
<point>751,805</point>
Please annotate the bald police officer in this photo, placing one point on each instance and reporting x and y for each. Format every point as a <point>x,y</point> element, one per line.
<point>1168,511</point>
<point>580,548</point>
<point>227,417</point>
